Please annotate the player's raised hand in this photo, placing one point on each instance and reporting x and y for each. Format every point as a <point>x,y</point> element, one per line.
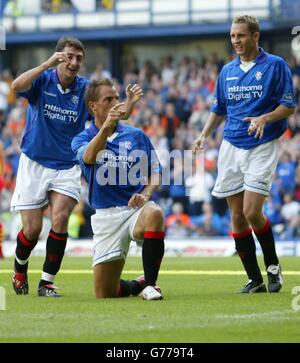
<point>137,201</point>
<point>114,116</point>
<point>134,93</point>
<point>56,59</point>
<point>257,126</point>
<point>199,143</point>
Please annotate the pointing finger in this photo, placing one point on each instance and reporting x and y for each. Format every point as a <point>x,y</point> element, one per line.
<point>118,105</point>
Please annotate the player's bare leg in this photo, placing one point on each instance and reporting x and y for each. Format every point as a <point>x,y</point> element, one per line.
<point>107,279</point>
<point>61,208</point>
<point>32,221</point>
<point>236,205</point>
<point>253,206</point>
<point>27,238</point>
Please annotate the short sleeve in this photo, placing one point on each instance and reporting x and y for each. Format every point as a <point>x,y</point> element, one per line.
<point>219,100</point>
<point>154,165</point>
<point>79,144</point>
<point>284,85</point>
<point>33,93</point>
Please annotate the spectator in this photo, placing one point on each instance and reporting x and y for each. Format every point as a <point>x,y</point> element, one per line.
<point>199,186</point>
<point>170,122</point>
<point>210,223</point>
<point>286,172</point>
<point>273,211</point>
<point>100,73</point>
<point>290,213</point>
<point>178,221</point>
<point>4,92</point>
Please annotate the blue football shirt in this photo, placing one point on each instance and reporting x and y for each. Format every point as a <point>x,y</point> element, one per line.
<point>259,90</point>
<point>54,117</point>
<point>121,170</point>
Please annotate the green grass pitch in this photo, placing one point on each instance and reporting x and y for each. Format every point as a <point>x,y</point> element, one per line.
<point>200,306</point>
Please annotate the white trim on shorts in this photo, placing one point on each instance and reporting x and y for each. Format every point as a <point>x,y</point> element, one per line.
<point>240,169</point>
<point>34,181</point>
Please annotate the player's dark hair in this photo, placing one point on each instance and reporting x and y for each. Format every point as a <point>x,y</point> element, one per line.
<point>251,21</point>
<point>69,42</point>
<point>92,92</point>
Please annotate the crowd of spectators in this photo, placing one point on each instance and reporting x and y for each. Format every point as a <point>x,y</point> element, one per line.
<point>176,103</point>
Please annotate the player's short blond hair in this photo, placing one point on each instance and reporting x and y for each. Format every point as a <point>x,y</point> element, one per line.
<point>92,91</point>
<point>251,21</point>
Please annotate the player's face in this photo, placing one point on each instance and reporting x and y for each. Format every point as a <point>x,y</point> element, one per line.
<point>108,98</point>
<point>70,69</point>
<point>243,41</point>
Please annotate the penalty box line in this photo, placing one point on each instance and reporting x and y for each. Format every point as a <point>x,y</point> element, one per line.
<point>162,272</point>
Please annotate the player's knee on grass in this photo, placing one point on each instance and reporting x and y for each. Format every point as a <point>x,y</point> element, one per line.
<point>106,291</point>
<point>120,290</point>
<point>107,278</point>
<point>111,290</point>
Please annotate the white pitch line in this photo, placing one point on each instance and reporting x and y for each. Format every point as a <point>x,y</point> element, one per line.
<point>162,272</point>
<point>273,315</point>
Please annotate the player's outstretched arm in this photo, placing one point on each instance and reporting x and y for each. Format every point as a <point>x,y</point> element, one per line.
<point>99,141</point>
<point>24,81</point>
<point>213,122</point>
<point>133,93</point>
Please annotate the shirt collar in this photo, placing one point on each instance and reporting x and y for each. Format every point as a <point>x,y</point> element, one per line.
<point>259,59</point>
<point>72,86</point>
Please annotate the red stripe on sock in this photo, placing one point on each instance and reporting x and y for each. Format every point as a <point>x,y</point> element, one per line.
<point>154,234</point>
<point>55,236</point>
<point>264,229</point>
<point>23,239</point>
<point>243,234</point>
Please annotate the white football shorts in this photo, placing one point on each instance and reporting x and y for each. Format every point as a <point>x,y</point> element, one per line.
<point>34,181</point>
<point>113,231</point>
<point>240,169</point>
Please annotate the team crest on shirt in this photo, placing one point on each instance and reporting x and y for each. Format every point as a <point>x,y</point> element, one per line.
<point>75,99</point>
<point>258,76</point>
<point>214,101</point>
<point>127,145</point>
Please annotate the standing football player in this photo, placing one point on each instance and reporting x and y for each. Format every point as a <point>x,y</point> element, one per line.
<point>48,172</point>
<point>255,94</point>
